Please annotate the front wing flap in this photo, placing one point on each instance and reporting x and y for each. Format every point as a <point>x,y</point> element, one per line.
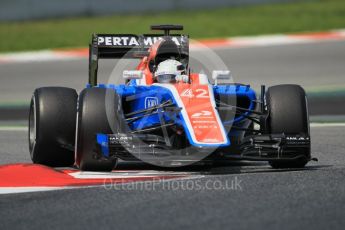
<point>275,147</point>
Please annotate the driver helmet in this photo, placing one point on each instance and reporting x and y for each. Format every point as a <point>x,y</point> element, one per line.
<point>168,70</point>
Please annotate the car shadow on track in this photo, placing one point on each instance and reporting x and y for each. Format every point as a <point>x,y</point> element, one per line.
<point>233,167</point>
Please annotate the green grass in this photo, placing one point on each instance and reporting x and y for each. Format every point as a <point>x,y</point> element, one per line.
<point>312,15</point>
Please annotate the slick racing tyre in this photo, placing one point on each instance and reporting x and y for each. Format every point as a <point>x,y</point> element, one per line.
<point>52,121</point>
<point>288,114</point>
<point>99,109</point>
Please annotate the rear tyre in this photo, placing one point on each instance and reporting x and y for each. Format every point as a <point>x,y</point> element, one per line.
<point>52,126</point>
<point>288,114</point>
<point>99,110</point>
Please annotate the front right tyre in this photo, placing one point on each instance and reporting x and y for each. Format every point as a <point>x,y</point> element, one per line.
<point>288,113</point>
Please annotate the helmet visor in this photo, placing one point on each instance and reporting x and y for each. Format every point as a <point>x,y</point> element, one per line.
<point>166,78</point>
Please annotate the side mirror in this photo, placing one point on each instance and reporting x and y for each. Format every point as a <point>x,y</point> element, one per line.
<point>133,74</point>
<point>221,74</point>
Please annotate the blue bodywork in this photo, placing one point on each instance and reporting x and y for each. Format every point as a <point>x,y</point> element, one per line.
<point>136,97</point>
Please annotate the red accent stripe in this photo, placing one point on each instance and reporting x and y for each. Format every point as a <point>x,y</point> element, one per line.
<point>217,42</point>
<point>78,52</point>
<point>318,35</point>
<point>200,112</point>
<point>35,175</point>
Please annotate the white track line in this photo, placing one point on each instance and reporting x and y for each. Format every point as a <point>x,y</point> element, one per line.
<point>336,124</point>
<point>10,190</point>
<point>125,174</point>
<point>13,128</point>
<point>14,190</point>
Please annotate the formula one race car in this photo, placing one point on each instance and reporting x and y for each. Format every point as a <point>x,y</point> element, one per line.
<point>165,114</point>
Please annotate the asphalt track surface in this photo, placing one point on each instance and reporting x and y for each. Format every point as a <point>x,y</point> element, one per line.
<point>312,198</point>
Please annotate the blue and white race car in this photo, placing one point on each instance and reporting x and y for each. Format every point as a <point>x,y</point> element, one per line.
<point>164,114</point>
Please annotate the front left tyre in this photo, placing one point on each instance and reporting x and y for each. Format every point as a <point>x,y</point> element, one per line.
<point>99,111</point>
<point>52,120</point>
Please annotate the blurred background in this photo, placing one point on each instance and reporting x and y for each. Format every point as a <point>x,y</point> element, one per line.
<point>33,28</point>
